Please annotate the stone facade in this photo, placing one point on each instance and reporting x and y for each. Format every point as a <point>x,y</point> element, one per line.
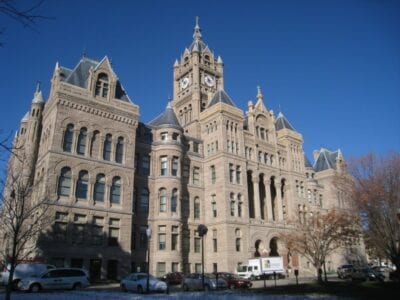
<point>202,161</point>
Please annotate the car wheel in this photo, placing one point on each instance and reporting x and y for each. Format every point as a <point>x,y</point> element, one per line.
<point>140,289</point>
<point>34,288</point>
<point>15,284</point>
<point>123,288</point>
<point>232,286</point>
<point>185,288</point>
<point>77,286</point>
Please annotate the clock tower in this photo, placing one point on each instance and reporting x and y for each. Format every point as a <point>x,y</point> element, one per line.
<point>198,75</point>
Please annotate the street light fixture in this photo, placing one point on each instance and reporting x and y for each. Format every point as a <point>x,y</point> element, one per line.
<point>202,230</point>
<point>148,234</point>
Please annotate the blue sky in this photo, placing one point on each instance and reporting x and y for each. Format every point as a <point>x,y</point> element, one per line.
<point>333,67</point>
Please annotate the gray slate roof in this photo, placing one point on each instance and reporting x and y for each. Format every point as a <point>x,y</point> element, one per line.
<point>307,163</point>
<point>326,160</point>
<point>166,119</point>
<point>281,123</point>
<point>80,74</point>
<point>221,97</point>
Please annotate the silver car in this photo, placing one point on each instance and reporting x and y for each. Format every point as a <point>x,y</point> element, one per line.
<point>194,281</point>
<point>137,282</point>
<point>63,278</point>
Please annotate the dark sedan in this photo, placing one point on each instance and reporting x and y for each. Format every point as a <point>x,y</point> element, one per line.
<point>233,281</point>
<point>173,278</point>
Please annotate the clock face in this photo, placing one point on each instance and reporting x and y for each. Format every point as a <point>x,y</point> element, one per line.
<point>209,80</point>
<point>184,83</point>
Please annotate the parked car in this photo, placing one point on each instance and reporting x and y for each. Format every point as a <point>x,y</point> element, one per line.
<point>173,278</point>
<point>62,278</point>
<point>137,282</point>
<point>234,281</point>
<point>194,282</point>
<point>344,270</point>
<point>24,270</point>
<point>364,274</point>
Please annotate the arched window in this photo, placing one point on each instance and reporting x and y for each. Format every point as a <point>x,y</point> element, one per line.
<point>239,197</point>
<point>64,182</point>
<point>196,210</point>
<point>68,136</point>
<point>115,193</point>
<point>238,244</point>
<point>163,199</point>
<point>174,200</point>
<point>119,150</point>
<point>107,147</point>
<point>82,185</point>
<point>81,146</point>
<point>232,207</point>
<point>102,85</point>
<point>144,201</point>
<point>99,188</point>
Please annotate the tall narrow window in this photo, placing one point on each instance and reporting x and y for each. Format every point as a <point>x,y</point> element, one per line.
<point>231,173</point>
<point>102,85</point>
<point>174,200</point>
<point>163,200</point>
<point>144,201</point>
<point>238,244</point>
<point>215,241</point>
<point>232,208</point>
<point>119,150</point>
<point>163,166</point>
<point>145,165</point>
<point>214,209</point>
<point>64,182</point>
<point>239,197</point>
<point>81,147</point>
<point>68,136</point>
<point>161,237</point>
<point>196,176</point>
<point>196,210</point>
<point>99,188</point>
<point>175,164</point>
<point>238,174</point>
<point>174,237</point>
<point>82,185</point>
<point>213,175</point>
<point>115,193</point>
<point>107,147</point>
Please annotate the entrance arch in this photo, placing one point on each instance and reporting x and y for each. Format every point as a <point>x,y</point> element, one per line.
<point>273,247</point>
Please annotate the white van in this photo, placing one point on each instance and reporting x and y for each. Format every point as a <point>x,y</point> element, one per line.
<point>24,270</point>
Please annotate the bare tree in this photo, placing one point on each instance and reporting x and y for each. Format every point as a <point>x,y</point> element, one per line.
<point>320,235</point>
<point>23,215</point>
<point>27,16</point>
<point>375,195</point>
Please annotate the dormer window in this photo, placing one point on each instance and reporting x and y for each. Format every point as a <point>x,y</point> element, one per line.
<point>164,136</point>
<point>102,85</point>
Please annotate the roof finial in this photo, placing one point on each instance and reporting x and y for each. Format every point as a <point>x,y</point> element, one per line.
<point>259,93</point>
<point>38,83</point>
<point>197,30</point>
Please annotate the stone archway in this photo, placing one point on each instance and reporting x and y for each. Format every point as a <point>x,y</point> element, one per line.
<point>260,248</point>
<point>273,247</point>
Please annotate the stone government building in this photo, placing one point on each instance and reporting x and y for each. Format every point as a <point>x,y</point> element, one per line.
<point>201,161</point>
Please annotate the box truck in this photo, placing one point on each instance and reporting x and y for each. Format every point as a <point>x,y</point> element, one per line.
<point>262,267</point>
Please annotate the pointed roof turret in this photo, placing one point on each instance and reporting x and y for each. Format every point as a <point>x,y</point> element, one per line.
<point>38,96</point>
<point>219,60</point>
<point>326,160</point>
<point>260,100</point>
<point>25,118</point>
<point>282,123</point>
<point>221,97</point>
<point>166,119</point>
<point>307,162</point>
<point>197,45</point>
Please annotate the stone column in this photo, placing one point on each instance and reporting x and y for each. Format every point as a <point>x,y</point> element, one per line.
<point>279,202</point>
<point>256,196</point>
<point>268,200</point>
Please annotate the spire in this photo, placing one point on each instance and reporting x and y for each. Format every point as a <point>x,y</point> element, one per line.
<point>260,103</point>
<point>176,64</point>
<point>219,60</point>
<point>197,30</point>
<point>38,97</point>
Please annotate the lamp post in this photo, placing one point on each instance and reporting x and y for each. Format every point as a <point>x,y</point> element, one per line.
<point>148,234</point>
<point>202,230</point>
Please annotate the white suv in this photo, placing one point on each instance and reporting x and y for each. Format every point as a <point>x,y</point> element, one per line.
<point>63,278</point>
<point>24,270</point>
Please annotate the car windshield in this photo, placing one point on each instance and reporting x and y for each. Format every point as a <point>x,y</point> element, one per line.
<point>210,276</point>
<point>242,269</point>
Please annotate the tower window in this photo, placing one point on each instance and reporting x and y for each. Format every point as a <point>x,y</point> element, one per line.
<point>82,185</point>
<point>119,150</point>
<point>99,188</point>
<point>64,182</point>
<point>115,193</point>
<point>102,85</point>
<point>81,147</point>
<point>68,136</point>
<point>107,147</point>
<point>163,200</point>
<point>174,200</point>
